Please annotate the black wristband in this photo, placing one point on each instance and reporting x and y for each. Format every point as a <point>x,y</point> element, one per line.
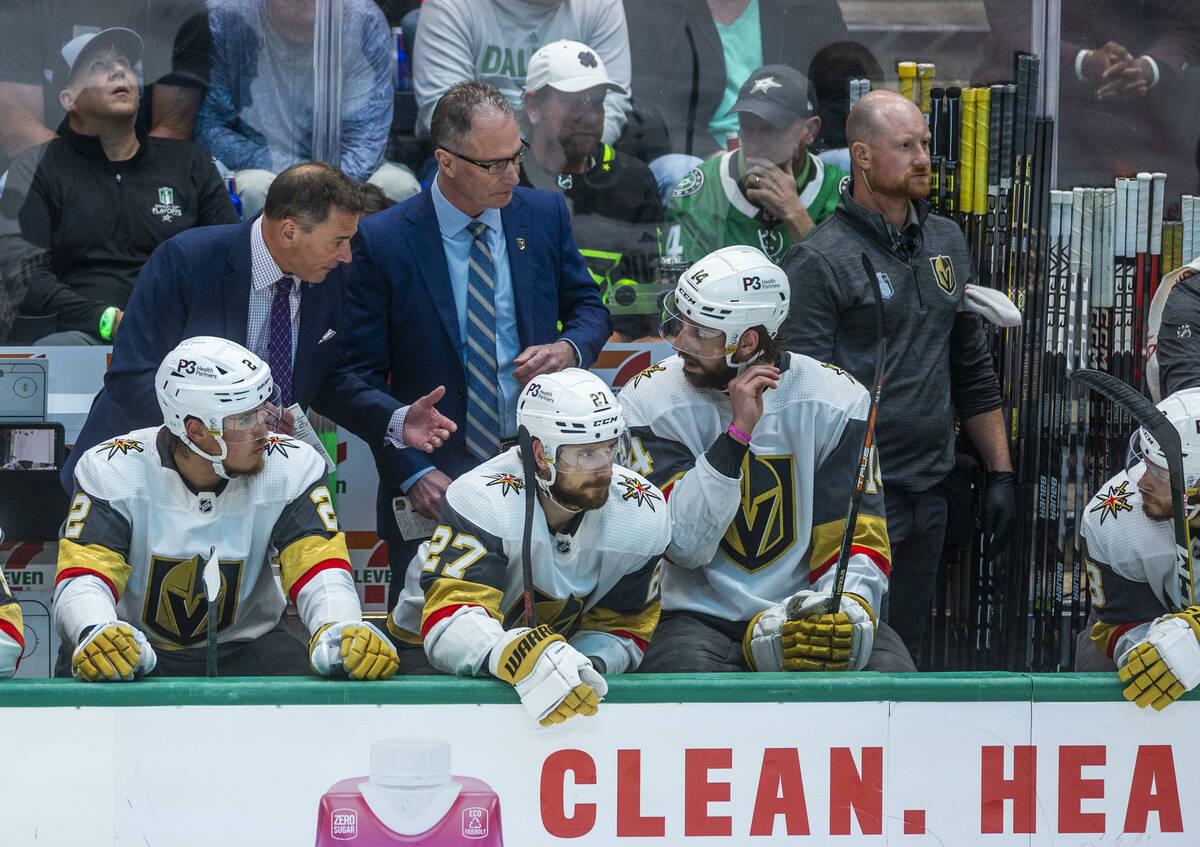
<point>726,455</point>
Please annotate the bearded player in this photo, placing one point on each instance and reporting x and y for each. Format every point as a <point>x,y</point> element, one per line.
<point>757,450</point>
<point>1139,625</point>
<point>598,533</point>
<point>152,507</point>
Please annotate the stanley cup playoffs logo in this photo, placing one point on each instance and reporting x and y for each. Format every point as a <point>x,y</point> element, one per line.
<point>166,207</point>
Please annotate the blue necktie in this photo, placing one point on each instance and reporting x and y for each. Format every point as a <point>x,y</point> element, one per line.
<point>483,392</point>
<point>279,340</point>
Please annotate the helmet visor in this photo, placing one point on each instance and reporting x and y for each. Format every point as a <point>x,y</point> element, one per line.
<point>686,336</point>
<point>253,424</point>
<point>590,458</point>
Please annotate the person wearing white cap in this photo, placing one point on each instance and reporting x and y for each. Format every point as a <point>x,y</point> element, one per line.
<point>38,43</point>
<point>1173,332</point>
<point>769,193</point>
<point>612,196</point>
<point>103,194</point>
<point>494,41</point>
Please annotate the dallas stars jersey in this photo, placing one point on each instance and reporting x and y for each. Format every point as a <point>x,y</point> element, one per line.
<point>144,534</point>
<point>709,209</point>
<point>1130,562</point>
<point>12,631</point>
<point>596,582</point>
<point>743,542</point>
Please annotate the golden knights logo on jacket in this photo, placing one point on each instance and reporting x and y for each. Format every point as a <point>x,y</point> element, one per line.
<point>943,272</point>
<point>764,528</point>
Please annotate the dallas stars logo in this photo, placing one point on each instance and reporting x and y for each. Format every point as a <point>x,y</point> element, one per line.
<point>653,369</point>
<point>279,444</point>
<point>507,482</point>
<point>121,445</point>
<point>765,84</point>
<point>642,492</point>
<point>1112,501</point>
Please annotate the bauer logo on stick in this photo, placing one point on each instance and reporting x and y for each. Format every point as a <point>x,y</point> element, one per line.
<point>943,272</point>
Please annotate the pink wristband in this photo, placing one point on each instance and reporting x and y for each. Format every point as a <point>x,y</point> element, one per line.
<point>738,435</point>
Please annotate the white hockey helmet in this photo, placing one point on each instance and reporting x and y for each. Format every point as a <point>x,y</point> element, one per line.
<point>572,406</point>
<point>731,290</point>
<point>211,379</point>
<point>1182,409</point>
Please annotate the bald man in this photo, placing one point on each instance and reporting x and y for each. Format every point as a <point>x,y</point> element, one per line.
<point>938,362</point>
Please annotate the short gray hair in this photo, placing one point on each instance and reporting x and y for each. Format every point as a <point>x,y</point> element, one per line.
<point>455,111</point>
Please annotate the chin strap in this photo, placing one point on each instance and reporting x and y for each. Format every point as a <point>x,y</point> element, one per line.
<point>218,462</point>
<point>544,485</point>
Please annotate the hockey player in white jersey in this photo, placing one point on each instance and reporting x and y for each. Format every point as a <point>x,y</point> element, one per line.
<point>1140,625</point>
<point>757,450</point>
<point>150,507</point>
<point>12,629</point>
<point>599,531</point>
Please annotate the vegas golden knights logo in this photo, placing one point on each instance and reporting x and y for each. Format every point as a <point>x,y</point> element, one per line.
<point>175,607</point>
<point>943,272</point>
<point>561,615</point>
<point>764,528</point>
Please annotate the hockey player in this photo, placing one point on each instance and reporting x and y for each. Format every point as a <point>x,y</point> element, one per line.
<point>598,533</point>
<point>1139,626</point>
<point>12,630</point>
<point>151,506</point>
<point>1173,332</point>
<point>757,450</point>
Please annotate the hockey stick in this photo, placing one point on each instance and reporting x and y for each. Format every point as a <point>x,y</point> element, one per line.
<point>1154,422</point>
<point>864,466</point>
<point>210,577</point>
<point>530,466</point>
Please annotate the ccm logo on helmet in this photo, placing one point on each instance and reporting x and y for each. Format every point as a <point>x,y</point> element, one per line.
<point>606,421</point>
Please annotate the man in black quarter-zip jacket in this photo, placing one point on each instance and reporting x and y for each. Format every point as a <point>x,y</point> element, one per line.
<point>937,357</point>
<point>99,198</point>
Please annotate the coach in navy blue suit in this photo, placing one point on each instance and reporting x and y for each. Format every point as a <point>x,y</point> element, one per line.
<point>224,281</point>
<point>414,304</point>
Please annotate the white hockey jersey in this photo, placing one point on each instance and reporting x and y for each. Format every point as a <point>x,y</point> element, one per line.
<point>140,529</point>
<point>742,543</point>
<point>12,630</point>
<point>1130,561</point>
<point>596,582</point>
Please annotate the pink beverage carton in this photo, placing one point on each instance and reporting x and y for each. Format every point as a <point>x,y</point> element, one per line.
<point>409,798</point>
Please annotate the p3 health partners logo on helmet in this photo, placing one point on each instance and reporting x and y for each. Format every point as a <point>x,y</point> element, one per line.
<point>166,207</point>
<point>764,527</point>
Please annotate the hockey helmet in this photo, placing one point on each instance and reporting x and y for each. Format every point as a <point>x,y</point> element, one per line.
<point>572,407</point>
<point>224,385</point>
<point>721,296</point>
<point>1182,409</point>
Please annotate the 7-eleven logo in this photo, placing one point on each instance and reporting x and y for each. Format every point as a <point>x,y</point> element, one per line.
<point>166,196</point>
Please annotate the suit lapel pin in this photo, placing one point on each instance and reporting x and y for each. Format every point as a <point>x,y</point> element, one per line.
<point>520,243</point>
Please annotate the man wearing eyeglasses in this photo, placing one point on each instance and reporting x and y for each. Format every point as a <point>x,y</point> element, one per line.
<point>475,283</point>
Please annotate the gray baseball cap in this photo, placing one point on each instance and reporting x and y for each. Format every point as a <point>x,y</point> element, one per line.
<point>779,94</point>
<point>118,38</point>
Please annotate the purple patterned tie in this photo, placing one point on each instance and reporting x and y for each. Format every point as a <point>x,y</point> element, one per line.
<point>279,344</point>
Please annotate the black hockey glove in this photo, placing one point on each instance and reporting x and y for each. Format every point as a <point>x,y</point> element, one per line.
<point>999,510</point>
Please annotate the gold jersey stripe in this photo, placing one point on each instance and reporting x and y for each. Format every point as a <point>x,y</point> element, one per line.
<point>299,557</point>
<point>640,625</point>
<point>105,563</point>
<point>445,593</point>
<point>870,531</point>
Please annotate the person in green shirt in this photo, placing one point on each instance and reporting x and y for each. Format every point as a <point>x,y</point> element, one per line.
<point>768,193</point>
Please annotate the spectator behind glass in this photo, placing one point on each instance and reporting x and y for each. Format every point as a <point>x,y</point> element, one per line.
<point>831,71</point>
<point>103,195</point>
<point>769,193</point>
<point>257,117</point>
<point>612,197</point>
<point>1129,90</point>
<point>33,33</point>
<point>690,57</point>
<point>493,41</point>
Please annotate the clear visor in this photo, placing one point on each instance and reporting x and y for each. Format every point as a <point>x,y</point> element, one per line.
<point>255,423</point>
<point>1137,465</point>
<point>590,458</point>
<point>687,336</point>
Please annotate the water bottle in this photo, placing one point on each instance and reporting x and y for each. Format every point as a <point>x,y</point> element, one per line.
<point>402,78</point>
<point>231,185</point>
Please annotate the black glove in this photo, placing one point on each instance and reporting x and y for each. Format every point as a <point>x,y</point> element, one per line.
<point>999,510</point>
